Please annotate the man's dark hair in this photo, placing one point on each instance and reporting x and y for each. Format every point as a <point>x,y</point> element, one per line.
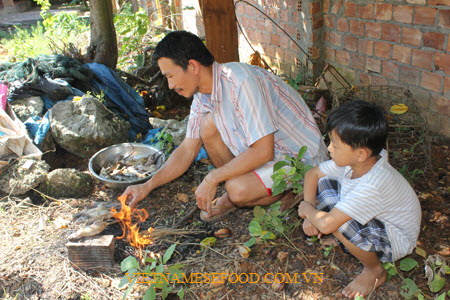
<point>181,46</point>
<point>360,124</point>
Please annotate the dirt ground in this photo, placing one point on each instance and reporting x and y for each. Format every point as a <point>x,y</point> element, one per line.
<point>34,262</point>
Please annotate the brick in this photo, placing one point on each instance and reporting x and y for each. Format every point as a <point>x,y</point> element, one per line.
<point>265,38</point>
<point>358,62</point>
<point>342,25</point>
<point>383,11</point>
<point>409,75</point>
<point>326,6</point>
<point>431,81</point>
<point>373,65</point>
<point>382,49</point>
<point>317,22</point>
<point>314,8</point>
<point>444,18</point>
<point>378,80</point>
<point>448,43</point>
<point>434,40</point>
<point>403,14</point>
<point>285,15</point>
<point>365,47</point>
<point>269,50</point>
<point>284,42</point>
<point>391,32</point>
<point>411,36</point>
<point>440,104</point>
<point>365,11</point>
<point>389,69</point>
<point>315,52</point>
<point>401,54</point>
<point>335,38</point>
<point>444,128</point>
<point>425,15</point>
<point>364,79</point>
<point>342,57</point>
<point>268,26</point>
<point>439,2</point>
<point>350,43</point>
<point>422,59</point>
<point>421,95</point>
<point>356,27</point>
<point>442,62</point>
<point>329,54</point>
<point>336,6</point>
<point>315,36</point>
<point>373,30</point>
<point>350,9</point>
<point>329,21</point>
<point>446,90</point>
<point>422,2</point>
<point>295,17</point>
<point>275,40</point>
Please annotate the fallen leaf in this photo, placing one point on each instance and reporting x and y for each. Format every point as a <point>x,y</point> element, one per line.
<point>244,251</point>
<point>421,252</point>
<point>208,242</point>
<point>399,109</point>
<point>222,233</point>
<point>182,197</point>
<point>282,256</point>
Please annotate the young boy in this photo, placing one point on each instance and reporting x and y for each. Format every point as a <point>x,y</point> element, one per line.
<point>361,199</point>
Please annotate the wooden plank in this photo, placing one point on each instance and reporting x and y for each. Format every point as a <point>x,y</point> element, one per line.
<point>220,29</point>
<point>92,252</point>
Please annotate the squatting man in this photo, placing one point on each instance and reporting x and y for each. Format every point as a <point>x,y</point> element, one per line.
<point>246,118</point>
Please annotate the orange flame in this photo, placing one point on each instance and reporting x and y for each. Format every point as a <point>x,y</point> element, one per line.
<point>126,217</point>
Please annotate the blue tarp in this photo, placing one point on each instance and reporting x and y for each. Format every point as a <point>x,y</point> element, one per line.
<point>123,100</point>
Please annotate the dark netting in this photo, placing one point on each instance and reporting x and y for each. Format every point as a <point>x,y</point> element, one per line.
<point>56,66</point>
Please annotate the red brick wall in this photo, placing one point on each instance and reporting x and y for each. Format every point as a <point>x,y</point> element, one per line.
<point>403,43</point>
<point>276,47</point>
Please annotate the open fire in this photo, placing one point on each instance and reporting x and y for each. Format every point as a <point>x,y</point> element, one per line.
<point>129,218</point>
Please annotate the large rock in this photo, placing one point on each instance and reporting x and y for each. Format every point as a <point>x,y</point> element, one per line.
<point>28,107</point>
<point>86,126</point>
<point>67,183</point>
<point>23,175</point>
<point>175,128</point>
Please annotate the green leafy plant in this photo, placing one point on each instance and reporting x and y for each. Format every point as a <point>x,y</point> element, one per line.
<point>131,28</point>
<point>295,174</point>
<point>135,273</point>
<point>327,250</point>
<point>268,223</point>
<point>295,82</point>
<point>163,141</point>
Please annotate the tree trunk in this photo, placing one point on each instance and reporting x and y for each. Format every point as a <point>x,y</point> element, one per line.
<point>220,29</point>
<point>103,45</point>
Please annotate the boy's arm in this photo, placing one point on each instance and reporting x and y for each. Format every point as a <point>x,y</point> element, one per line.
<point>309,195</point>
<point>325,222</point>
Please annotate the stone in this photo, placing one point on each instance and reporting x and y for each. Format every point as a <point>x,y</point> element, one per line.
<point>21,176</point>
<point>67,183</point>
<point>28,107</point>
<point>86,126</point>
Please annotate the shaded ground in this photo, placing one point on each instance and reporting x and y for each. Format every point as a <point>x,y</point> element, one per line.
<point>34,263</point>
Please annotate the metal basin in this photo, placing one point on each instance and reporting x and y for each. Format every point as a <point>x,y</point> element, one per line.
<point>114,153</point>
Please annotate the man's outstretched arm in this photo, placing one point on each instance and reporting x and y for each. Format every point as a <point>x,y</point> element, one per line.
<point>178,162</point>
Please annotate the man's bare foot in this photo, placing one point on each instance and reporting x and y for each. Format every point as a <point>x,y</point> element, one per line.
<point>329,240</point>
<point>365,282</point>
<point>289,200</point>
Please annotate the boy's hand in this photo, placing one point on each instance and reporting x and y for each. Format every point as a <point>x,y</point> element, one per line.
<point>303,207</point>
<point>310,230</point>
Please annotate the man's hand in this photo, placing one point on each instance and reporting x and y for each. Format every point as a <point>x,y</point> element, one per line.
<point>135,193</point>
<point>205,194</point>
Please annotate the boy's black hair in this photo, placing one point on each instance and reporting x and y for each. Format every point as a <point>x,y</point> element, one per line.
<point>181,46</point>
<point>360,124</point>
